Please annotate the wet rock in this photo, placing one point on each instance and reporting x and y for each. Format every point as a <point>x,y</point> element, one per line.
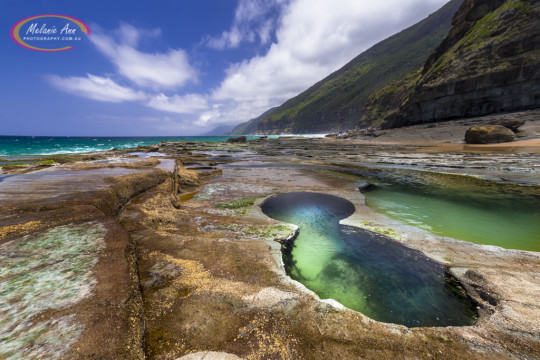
<point>208,172</point>
<point>176,202</point>
<point>269,297</point>
<point>124,188</point>
<point>161,274</point>
<point>209,355</point>
<point>512,124</point>
<point>226,295</point>
<point>357,133</point>
<point>488,134</point>
<point>197,159</point>
<point>259,140</point>
<point>363,185</point>
<point>185,178</point>
<point>239,139</point>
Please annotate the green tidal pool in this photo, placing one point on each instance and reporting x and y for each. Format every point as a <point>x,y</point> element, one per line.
<point>511,221</point>
<point>363,270</point>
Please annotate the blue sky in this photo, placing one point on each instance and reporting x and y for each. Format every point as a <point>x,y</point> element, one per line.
<point>182,67</point>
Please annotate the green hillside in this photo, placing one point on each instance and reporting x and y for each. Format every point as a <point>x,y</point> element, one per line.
<point>487,64</point>
<point>337,102</point>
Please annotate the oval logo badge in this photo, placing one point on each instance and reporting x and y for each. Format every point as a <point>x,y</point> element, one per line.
<point>49,32</point>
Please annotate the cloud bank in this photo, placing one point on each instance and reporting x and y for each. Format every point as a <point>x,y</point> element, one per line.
<point>96,88</point>
<point>168,70</point>
<point>298,42</point>
<point>253,19</point>
<point>313,39</point>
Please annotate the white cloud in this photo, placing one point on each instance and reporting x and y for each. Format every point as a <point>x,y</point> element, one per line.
<point>185,104</point>
<point>265,30</point>
<point>209,117</point>
<point>168,70</point>
<point>156,71</point>
<point>313,39</point>
<point>105,89</point>
<point>252,19</point>
<point>95,87</point>
<point>306,40</point>
<point>228,39</point>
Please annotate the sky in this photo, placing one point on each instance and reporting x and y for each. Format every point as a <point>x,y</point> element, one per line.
<point>181,67</point>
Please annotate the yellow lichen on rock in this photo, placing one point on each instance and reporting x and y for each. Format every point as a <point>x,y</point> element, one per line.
<point>273,338</point>
<point>26,227</point>
<point>192,278</point>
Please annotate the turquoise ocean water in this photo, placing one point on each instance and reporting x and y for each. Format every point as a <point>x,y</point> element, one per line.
<point>49,145</point>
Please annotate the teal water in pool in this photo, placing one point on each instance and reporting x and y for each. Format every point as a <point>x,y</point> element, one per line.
<point>365,271</point>
<point>511,221</point>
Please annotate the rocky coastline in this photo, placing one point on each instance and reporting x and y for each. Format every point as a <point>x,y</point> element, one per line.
<point>179,262</point>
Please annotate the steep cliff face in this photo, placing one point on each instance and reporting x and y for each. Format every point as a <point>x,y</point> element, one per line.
<point>337,102</point>
<point>250,126</point>
<point>386,102</point>
<point>488,63</point>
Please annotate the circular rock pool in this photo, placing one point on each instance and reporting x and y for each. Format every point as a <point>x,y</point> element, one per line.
<point>365,271</point>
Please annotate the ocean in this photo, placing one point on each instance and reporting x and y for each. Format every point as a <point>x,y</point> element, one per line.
<point>50,145</point>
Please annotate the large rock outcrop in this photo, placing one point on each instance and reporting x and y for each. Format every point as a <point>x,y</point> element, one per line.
<point>488,63</point>
<point>488,134</point>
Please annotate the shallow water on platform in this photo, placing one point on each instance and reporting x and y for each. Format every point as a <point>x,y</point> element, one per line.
<point>507,220</point>
<point>42,276</point>
<point>365,271</point>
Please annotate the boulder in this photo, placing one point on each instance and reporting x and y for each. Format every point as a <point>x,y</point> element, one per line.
<point>488,134</point>
<point>237,139</point>
<point>512,124</point>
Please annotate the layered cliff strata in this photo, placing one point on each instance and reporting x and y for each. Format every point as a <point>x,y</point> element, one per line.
<point>489,63</point>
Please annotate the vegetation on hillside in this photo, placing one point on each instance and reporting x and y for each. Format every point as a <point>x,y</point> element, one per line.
<point>471,54</point>
<point>491,39</point>
<point>488,63</point>
<point>249,127</point>
<point>388,100</point>
<point>337,102</point>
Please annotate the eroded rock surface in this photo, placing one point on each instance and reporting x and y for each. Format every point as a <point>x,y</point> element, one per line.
<point>201,277</point>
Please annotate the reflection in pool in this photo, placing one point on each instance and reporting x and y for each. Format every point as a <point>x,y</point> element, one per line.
<point>365,271</point>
